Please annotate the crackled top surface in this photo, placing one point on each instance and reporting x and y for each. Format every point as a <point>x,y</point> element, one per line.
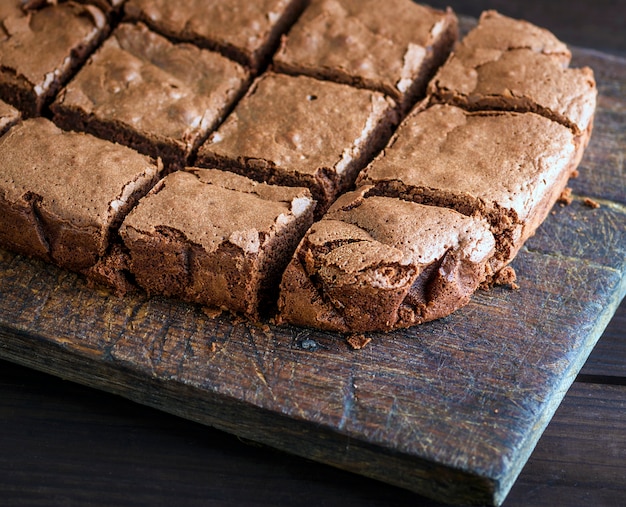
<point>504,159</point>
<point>37,44</point>
<point>79,178</point>
<point>242,24</point>
<point>511,64</point>
<point>210,207</point>
<point>299,124</point>
<point>384,229</point>
<point>161,89</point>
<point>387,47</point>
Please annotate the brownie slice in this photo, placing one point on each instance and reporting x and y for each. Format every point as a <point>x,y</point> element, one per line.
<point>63,194</point>
<point>8,116</point>
<point>507,167</point>
<point>216,238</point>
<point>393,48</point>
<point>245,31</point>
<point>299,131</point>
<point>40,49</point>
<point>379,263</point>
<point>142,90</point>
<point>508,64</point>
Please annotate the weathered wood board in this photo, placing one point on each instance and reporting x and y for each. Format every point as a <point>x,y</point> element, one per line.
<point>451,409</point>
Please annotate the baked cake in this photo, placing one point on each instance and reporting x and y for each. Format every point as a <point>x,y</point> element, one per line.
<point>379,263</point>
<point>300,131</point>
<point>506,167</point>
<point>142,90</point>
<point>510,64</point>
<point>40,49</point>
<point>215,238</point>
<point>63,194</point>
<point>393,49</point>
<point>245,31</point>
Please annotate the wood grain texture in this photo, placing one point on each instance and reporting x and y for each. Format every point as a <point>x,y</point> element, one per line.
<point>65,444</point>
<point>451,410</point>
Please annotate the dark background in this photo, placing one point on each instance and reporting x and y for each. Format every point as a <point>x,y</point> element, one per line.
<point>599,24</point>
<point>63,445</point>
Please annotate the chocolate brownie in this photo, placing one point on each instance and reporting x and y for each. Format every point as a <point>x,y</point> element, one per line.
<point>245,31</point>
<point>393,48</point>
<point>40,49</point>
<point>142,90</point>
<point>508,64</point>
<point>8,116</point>
<point>62,194</point>
<point>379,263</point>
<point>216,238</point>
<point>507,167</point>
<point>299,131</point>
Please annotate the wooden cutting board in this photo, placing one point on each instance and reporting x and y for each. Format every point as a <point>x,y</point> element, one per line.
<point>451,409</point>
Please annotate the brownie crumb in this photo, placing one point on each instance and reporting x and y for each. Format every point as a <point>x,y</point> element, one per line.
<point>565,199</point>
<point>575,174</point>
<point>506,276</point>
<point>591,203</point>
<point>357,341</point>
<point>211,312</point>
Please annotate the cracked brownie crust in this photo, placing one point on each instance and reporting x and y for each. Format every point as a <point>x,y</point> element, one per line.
<point>509,64</point>
<point>394,50</point>
<point>508,168</point>
<point>141,90</point>
<point>313,133</point>
<point>40,49</point>
<point>367,267</point>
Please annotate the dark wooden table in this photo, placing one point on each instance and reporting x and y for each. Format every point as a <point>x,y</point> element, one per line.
<point>63,444</point>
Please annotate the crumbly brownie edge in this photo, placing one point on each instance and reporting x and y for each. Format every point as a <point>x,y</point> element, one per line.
<point>511,103</point>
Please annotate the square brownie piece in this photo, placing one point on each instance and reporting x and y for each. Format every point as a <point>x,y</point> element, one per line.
<point>216,238</point>
<point>506,167</point>
<point>63,194</point>
<point>158,97</point>
<point>8,116</point>
<point>393,48</point>
<point>40,49</point>
<point>247,32</point>
<point>299,131</point>
<point>379,263</point>
<point>509,64</point>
